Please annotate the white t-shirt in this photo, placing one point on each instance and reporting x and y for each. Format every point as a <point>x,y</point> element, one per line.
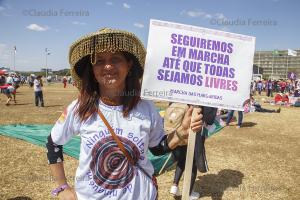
<point>37,85</point>
<point>11,89</point>
<point>103,171</point>
<point>9,80</point>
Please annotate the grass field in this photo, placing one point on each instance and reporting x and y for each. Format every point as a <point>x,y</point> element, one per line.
<point>259,161</point>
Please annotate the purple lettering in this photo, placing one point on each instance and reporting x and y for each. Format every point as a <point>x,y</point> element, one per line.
<point>177,77</point>
<point>229,48</point>
<point>223,84</point>
<point>234,85</point>
<point>179,41</point>
<point>173,38</point>
<point>193,79</point>
<point>212,70</point>
<point>160,74</point>
<point>199,80</point>
<point>231,72</point>
<point>178,51</point>
<point>185,78</point>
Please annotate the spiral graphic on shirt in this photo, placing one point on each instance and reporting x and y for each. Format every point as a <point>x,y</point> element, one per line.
<point>110,167</point>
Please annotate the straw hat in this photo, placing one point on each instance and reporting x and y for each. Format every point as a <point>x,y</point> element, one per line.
<point>104,40</point>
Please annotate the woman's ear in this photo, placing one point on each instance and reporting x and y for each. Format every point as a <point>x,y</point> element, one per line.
<point>130,64</point>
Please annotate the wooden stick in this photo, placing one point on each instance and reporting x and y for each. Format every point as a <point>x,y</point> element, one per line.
<point>189,160</point>
<point>161,170</point>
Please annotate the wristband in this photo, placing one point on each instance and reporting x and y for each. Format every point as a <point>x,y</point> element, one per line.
<point>59,189</point>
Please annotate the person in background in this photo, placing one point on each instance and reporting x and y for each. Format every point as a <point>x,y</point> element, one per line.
<point>269,88</point>
<point>259,87</point>
<point>253,87</point>
<point>296,93</point>
<point>282,86</point>
<point>65,80</point>
<point>10,80</point>
<point>69,79</point>
<point>254,106</point>
<point>38,92</point>
<point>10,92</point>
<point>49,79</point>
<point>2,82</point>
<point>259,108</point>
<point>230,115</point>
<point>173,116</point>
<point>31,79</point>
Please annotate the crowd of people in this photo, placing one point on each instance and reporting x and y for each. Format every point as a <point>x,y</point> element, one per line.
<point>275,86</point>
<point>10,82</point>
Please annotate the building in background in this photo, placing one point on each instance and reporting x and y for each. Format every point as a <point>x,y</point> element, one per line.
<point>277,64</point>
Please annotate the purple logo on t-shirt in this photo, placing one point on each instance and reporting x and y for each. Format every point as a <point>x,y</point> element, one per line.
<point>109,166</point>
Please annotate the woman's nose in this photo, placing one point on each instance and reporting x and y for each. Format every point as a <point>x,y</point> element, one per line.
<point>108,66</point>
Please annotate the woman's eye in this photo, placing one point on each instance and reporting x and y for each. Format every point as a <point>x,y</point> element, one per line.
<point>116,60</point>
<point>99,62</point>
<point>111,61</point>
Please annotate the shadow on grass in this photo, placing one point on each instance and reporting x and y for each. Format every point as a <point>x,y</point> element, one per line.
<point>22,104</point>
<point>20,198</point>
<point>249,124</point>
<point>214,185</point>
<point>49,106</point>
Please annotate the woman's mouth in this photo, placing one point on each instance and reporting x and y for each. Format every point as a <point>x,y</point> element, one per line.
<point>110,75</point>
<point>110,78</point>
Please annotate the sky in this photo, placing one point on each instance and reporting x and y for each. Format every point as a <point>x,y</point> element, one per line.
<point>34,25</point>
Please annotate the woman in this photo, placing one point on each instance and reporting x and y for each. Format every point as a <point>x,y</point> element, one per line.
<point>107,67</point>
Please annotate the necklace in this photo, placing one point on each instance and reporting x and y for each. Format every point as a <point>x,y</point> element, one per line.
<point>108,101</point>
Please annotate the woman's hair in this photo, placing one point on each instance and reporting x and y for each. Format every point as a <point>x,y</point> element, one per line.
<point>90,93</point>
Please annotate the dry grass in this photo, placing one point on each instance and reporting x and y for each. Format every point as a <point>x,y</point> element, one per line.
<point>259,161</point>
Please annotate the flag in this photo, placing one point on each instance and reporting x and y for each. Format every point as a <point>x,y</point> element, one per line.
<point>275,53</point>
<point>47,51</point>
<point>15,49</point>
<point>292,52</point>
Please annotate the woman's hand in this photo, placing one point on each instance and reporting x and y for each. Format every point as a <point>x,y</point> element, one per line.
<point>196,124</point>
<point>68,194</point>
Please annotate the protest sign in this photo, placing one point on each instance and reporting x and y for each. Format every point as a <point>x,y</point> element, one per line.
<point>198,66</point>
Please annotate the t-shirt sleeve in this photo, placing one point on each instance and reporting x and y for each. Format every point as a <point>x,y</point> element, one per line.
<point>66,126</point>
<point>157,128</point>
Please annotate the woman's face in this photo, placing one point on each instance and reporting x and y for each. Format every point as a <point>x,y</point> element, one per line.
<point>111,69</point>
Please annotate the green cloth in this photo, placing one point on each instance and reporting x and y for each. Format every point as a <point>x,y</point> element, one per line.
<point>37,134</point>
<point>214,128</point>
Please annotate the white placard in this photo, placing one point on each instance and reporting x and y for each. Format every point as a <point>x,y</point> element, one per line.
<point>198,66</point>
